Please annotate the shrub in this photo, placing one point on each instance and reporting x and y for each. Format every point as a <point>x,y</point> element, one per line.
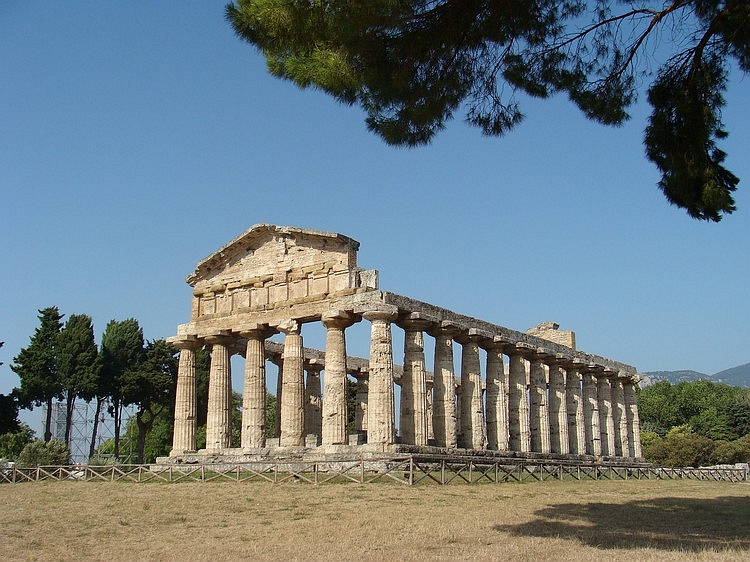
<point>39,453</point>
<point>681,449</point>
<point>11,444</point>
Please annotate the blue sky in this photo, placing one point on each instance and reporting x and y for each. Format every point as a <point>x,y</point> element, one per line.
<point>137,138</point>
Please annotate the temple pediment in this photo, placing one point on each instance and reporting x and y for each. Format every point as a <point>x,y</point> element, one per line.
<point>268,265</point>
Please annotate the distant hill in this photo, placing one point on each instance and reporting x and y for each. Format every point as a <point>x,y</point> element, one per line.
<point>736,376</point>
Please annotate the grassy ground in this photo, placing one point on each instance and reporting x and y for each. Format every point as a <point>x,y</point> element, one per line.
<point>631,520</point>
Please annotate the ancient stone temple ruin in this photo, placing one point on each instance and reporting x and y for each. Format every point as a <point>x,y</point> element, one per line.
<point>535,394</point>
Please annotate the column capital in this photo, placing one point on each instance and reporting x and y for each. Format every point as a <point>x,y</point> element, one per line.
<point>185,342</point>
<point>416,321</point>
<point>220,337</point>
<point>338,319</point>
<point>469,336</point>
<point>254,330</point>
<point>288,327</point>
<point>313,365</point>
<point>444,328</point>
<point>384,312</point>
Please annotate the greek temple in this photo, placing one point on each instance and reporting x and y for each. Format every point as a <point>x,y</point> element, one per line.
<point>519,393</point>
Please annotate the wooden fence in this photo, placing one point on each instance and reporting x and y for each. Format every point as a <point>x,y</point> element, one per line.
<point>407,470</point>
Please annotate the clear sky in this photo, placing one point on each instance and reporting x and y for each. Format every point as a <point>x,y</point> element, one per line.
<point>136,138</point>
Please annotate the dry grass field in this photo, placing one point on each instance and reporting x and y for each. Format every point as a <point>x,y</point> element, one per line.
<point>631,520</point>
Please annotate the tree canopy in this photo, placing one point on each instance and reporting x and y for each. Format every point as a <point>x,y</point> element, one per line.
<point>36,366</point>
<point>412,64</point>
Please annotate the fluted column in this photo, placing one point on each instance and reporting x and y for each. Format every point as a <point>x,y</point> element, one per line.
<point>254,391</point>
<point>574,399</point>
<point>185,410</point>
<point>633,418</point>
<point>606,421</point>
<point>496,397</point>
<point>334,395</point>
<point>278,360</point>
<point>360,412</point>
<point>293,387</point>
<point>471,435</point>
<point>313,402</point>
<point>380,415</point>
<point>444,388</point>
<point>619,418</point>
<point>518,405</point>
<point>558,408</point>
<point>591,414</point>
<point>413,420</point>
<point>219,415</point>
<point>539,412</point>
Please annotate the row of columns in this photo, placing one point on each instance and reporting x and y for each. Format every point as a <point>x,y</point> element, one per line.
<point>545,404</point>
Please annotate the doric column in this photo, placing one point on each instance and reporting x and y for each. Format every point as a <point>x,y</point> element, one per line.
<point>619,418</point>
<point>558,408</point>
<point>539,412</point>
<point>254,391</point>
<point>496,397</point>
<point>380,421</point>
<point>518,404</point>
<point>471,435</point>
<point>360,412</point>
<point>278,360</point>
<point>293,387</point>
<point>185,406</point>
<point>413,420</point>
<point>313,402</point>
<point>430,397</point>
<point>591,413</point>
<point>606,421</point>
<point>219,415</point>
<point>444,387</point>
<point>334,395</point>
<point>574,399</point>
<point>633,418</point>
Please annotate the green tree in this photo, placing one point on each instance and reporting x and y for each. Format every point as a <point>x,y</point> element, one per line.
<point>412,64</point>
<point>150,385</point>
<point>8,414</point>
<point>36,366</point>
<point>121,350</point>
<point>77,363</point>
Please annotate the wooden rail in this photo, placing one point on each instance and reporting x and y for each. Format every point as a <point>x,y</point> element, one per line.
<point>405,469</point>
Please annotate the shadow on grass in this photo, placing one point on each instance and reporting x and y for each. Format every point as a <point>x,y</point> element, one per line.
<point>683,524</point>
